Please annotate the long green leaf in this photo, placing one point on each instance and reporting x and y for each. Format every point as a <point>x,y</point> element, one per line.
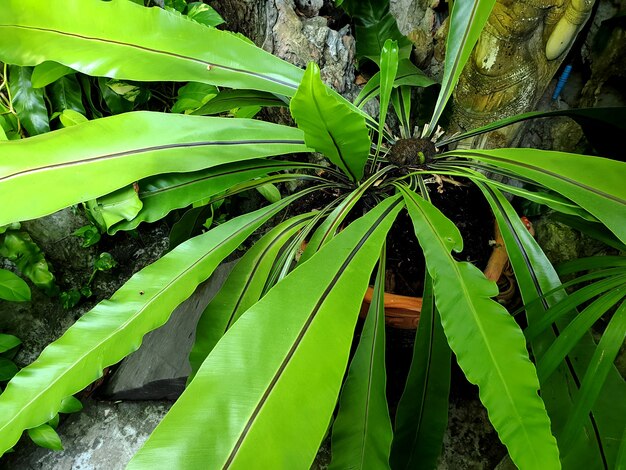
<point>265,395</point>
<point>599,368</point>
<point>242,289</point>
<point>388,70</point>
<point>408,74</point>
<point>130,42</point>
<point>570,336</point>
<point>466,22</point>
<point>362,432</point>
<point>489,345</point>
<point>13,287</point>
<point>422,415</point>
<point>65,93</point>
<point>89,160</point>
<point>330,126</point>
<point>28,101</point>
<point>596,122</point>
<point>597,443</point>
<point>161,194</point>
<point>595,184</point>
<point>115,327</point>
<point>227,100</point>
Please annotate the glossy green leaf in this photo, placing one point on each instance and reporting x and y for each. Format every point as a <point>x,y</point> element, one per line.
<point>374,25</point>
<point>66,94</point>
<point>204,14</point>
<point>227,100</point>
<point>422,414</point>
<point>597,442</point>
<point>276,363</point>
<point>20,248</point>
<point>8,342</point>
<point>595,184</point>
<point>47,73</point>
<point>242,289</point>
<point>28,102</point>
<point>66,171</point>
<point>592,262</point>
<point>362,432</point>
<point>193,96</point>
<point>489,345</point>
<point>13,287</point>
<point>115,327</point>
<point>466,22</point>
<point>599,367</point>
<point>7,369</point>
<point>407,74</point>
<point>191,222</point>
<point>45,436</point>
<point>571,334</point>
<point>70,405</point>
<point>130,42</point>
<point>329,126</point>
<point>388,71</point>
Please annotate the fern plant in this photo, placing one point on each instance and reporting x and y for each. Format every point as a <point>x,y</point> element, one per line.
<point>272,349</point>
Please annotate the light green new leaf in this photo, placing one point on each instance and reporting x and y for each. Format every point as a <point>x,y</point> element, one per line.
<point>362,431</point>
<point>467,20</point>
<point>329,125</point>
<point>422,414</point>
<point>45,436</point>
<point>489,345</point>
<point>242,289</point>
<point>115,327</point>
<point>28,102</point>
<point>70,118</point>
<point>130,42</point>
<point>276,363</point>
<point>13,287</point>
<point>67,166</point>
<point>47,73</point>
<point>596,184</point>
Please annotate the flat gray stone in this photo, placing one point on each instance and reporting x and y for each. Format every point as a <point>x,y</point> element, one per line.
<point>103,436</point>
<point>160,367</point>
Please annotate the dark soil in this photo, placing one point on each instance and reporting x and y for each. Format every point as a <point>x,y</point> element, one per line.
<point>463,205</point>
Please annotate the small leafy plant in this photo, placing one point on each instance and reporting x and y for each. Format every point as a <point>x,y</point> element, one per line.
<point>273,347</point>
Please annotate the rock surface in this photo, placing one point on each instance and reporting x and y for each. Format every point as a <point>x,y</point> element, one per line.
<point>103,436</point>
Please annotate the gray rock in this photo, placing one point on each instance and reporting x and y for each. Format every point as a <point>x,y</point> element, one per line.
<point>160,367</point>
<point>275,26</point>
<point>309,8</point>
<point>104,436</point>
